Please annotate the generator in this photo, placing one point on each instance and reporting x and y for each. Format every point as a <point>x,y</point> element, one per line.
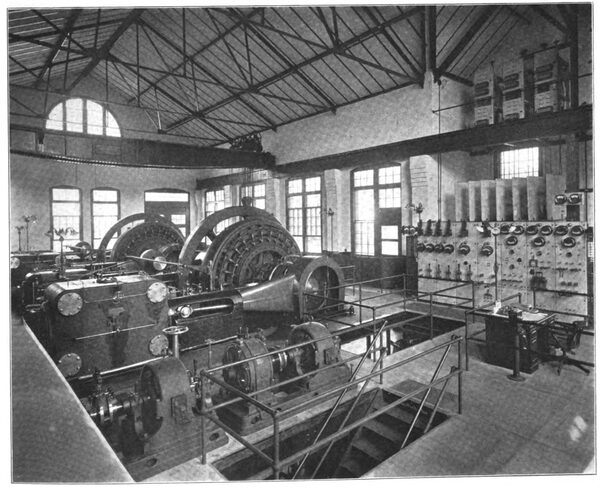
<point>277,365</point>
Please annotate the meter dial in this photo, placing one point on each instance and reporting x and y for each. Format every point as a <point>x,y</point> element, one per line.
<point>69,304</point>
<point>14,263</point>
<point>158,345</point>
<point>157,292</point>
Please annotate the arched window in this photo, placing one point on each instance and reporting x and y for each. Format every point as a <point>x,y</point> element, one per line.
<point>83,116</point>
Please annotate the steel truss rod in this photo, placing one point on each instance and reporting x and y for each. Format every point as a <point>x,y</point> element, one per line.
<point>104,50</point>
<point>65,33</point>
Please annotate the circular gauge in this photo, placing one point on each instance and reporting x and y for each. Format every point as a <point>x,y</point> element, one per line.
<point>69,304</point>
<point>487,250</point>
<point>577,230</point>
<point>561,230</point>
<point>538,241</point>
<point>420,247</point>
<point>14,262</point>
<point>532,229</point>
<point>464,249</point>
<point>429,247</point>
<point>448,248</point>
<point>69,364</point>
<point>511,241</point>
<point>504,228</point>
<point>438,248</point>
<point>158,345</point>
<point>546,230</point>
<point>560,199</point>
<point>157,292</point>
<point>518,229</point>
<point>569,242</point>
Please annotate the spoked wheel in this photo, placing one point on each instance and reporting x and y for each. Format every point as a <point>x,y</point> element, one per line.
<point>239,252</point>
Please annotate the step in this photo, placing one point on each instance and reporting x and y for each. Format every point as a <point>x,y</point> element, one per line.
<point>449,403</point>
<point>383,430</point>
<point>377,453</point>
<point>357,464</point>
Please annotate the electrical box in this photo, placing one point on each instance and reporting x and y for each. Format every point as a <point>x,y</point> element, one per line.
<point>487,96</point>
<point>551,80</point>
<point>517,88</point>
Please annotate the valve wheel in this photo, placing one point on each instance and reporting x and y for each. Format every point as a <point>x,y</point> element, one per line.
<point>175,330</point>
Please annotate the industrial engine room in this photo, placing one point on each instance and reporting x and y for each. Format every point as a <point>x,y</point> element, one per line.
<point>310,242</point>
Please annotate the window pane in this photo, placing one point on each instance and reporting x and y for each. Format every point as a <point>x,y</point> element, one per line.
<point>364,236</point>
<point>389,232</point>
<point>55,118</point>
<point>389,197</point>
<point>313,200</point>
<point>313,244</point>
<point>65,209</point>
<point>389,248</point>
<point>295,202</point>
<point>178,219</point>
<point>364,205</point>
<point>74,115</point>
<point>105,209</point>
<point>389,175</point>
<point>260,190</point>
<point>94,118</point>
<point>70,194</point>
<point>166,196</point>
<point>295,186</point>
<point>112,128</point>
<point>313,221</point>
<point>295,222</point>
<point>105,195</point>
<point>363,178</point>
<point>312,184</point>
<point>260,203</point>
<point>102,224</point>
<point>519,163</point>
<point>246,191</point>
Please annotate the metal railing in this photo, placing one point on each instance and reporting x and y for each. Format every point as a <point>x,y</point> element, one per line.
<point>406,295</point>
<point>276,463</point>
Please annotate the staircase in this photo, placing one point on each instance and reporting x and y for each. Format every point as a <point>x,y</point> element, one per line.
<point>381,437</point>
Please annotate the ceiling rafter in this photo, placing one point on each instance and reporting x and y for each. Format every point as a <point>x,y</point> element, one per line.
<point>65,33</point>
<point>277,52</point>
<point>167,41</point>
<point>76,29</point>
<point>464,41</point>
<point>104,50</point>
<point>208,45</point>
<point>541,11</point>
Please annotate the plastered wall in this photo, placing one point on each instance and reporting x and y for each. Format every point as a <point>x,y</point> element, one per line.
<point>32,178</point>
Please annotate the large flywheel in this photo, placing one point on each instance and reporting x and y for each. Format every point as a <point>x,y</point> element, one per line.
<point>237,246</point>
<point>126,224</point>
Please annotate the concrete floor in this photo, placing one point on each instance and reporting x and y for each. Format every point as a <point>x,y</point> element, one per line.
<point>544,425</point>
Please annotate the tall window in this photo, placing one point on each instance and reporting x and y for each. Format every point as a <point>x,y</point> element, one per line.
<point>65,206</point>
<point>84,116</point>
<point>257,191</point>
<point>173,204</point>
<point>524,162</point>
<point>304,213</point>
<point>214,200</point>
<point>377,211</point>
<point>105,212</point>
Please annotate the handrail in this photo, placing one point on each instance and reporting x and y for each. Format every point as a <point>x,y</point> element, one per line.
<point>344,392</point>
<point>276,415</point>
<point>343,423</point>
<point>341,433</point>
